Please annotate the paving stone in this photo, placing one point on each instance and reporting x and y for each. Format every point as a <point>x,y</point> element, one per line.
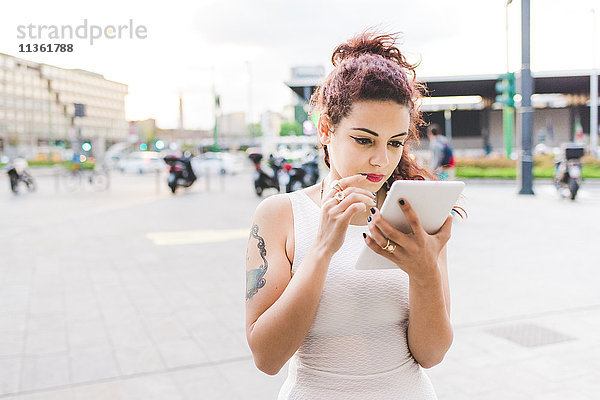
<point>97,315</point>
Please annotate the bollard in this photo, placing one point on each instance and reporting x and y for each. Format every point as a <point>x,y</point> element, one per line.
<point>56,179</point>
<point>207,175</point>
<point>222,181</point>
<point>157,174</point>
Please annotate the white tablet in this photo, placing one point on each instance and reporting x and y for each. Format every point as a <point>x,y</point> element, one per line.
<point>431,200</point>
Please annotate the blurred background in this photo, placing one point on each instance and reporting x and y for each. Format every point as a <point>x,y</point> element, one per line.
<point>136,141</point>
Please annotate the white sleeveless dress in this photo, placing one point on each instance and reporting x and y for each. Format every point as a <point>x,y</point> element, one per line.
<point>357,346</point>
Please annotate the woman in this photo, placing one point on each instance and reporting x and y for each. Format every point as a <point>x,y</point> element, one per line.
<point>351,334</point>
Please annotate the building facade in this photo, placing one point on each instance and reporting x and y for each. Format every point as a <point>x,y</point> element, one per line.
<point>37,107</point>
<point>466,110</point>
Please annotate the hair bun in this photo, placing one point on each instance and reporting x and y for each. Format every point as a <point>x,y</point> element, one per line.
<point>370,43</point>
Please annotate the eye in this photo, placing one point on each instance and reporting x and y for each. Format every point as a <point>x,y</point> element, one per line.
<point>362,141</point>
<point>396,143</point>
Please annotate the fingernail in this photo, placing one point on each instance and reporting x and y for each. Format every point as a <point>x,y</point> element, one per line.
<point>369,219</point>
<point>401,202</point>
<point>374,201</point>
<point>372,210</point>
<point>364,235</point>
<point>364,174</point>
<point>374,194</point>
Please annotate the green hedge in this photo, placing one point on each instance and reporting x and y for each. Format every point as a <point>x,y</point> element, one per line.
<point>65,164</point>
<point>589,171</point>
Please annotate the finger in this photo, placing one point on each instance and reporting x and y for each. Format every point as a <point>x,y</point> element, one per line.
<point>352,195</point>
<point>387,229</point>
<point>331,192</point>
<point>373,245</point>
<point>377,235</point>
<point>350,211</point>
<point>412,218</point>
<point>354,189</point>
<point>352,180</point>
<point>445,231</point>
<point>354,198</point>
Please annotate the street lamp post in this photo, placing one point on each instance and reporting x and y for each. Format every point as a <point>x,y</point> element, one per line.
<point>594,93</point>
<point>525,109</point>
<point>216,109</point>
<point>508,111</point>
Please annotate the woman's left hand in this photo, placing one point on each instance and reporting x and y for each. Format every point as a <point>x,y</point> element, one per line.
<point>416,253</point>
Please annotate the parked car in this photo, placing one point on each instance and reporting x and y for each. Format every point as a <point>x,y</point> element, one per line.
<point>142,162</point>
<point>115,153</point>
<point>218,163</point>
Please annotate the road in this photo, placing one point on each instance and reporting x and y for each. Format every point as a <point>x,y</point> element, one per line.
<point>135,293</point>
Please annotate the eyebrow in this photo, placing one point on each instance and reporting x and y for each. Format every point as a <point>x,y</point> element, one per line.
<point>375,133</point>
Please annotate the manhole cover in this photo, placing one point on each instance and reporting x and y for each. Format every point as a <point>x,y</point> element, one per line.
<point>529,335</point>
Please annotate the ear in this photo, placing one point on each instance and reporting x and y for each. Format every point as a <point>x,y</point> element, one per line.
<point>324,128</point>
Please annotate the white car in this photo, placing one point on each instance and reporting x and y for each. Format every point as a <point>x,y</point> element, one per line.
<point>142,162</point>
<point>218,163</point>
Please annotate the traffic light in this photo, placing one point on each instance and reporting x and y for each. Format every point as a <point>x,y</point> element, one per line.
<point>86,146</point>
<point>505,87</point>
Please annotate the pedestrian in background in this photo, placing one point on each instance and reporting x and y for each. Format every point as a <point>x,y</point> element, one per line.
<point>442,163</point>
<point>351,334</point>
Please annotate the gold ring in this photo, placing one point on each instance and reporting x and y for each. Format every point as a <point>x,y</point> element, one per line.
<point>336,185</point>
<point>389,246</point>
<point>339,196</point>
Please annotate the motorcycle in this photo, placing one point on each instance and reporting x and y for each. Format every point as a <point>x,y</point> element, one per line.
<point>18,173</point>
<point>567,170</point>
<point>305,175</point>
<point>180,172</point>
<point>264,180</point>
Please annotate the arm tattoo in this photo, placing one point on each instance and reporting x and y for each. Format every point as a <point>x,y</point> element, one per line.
<point>255,278</point>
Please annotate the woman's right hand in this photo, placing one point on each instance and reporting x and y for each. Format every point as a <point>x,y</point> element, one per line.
<point>335,216</point>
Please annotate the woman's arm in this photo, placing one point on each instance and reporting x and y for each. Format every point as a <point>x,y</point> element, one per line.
<point>279,310</point>
<point>429,329</point>
<point>423,258</point>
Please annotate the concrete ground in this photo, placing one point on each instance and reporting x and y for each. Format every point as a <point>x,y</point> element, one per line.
<point>137,294</point>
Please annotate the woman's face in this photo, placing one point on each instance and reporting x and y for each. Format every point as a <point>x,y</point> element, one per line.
<point>368,141</point>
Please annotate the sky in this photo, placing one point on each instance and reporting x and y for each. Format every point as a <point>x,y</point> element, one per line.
<point>245,49</point>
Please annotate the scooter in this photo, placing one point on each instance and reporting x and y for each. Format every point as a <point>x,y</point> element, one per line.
<point>180,172</point>
<point>18,173</point>
<point>262,179</point>
<point>305,175</point>
<point>567,170</point>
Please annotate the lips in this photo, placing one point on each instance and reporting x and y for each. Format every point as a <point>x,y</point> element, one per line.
<point>374,177</point>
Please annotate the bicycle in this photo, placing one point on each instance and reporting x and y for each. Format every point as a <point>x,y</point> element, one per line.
<point>98,180</point>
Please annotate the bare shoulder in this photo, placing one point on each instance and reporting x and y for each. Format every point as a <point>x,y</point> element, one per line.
<point>276,208</point>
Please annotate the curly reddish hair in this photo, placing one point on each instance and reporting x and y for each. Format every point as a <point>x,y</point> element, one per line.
<point>371,67</point>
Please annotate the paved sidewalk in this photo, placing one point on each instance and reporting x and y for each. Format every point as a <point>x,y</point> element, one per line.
<point>94,306</point>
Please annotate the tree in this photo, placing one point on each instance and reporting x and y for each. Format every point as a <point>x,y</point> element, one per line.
<point>292,128</point>
<point>255,130</point>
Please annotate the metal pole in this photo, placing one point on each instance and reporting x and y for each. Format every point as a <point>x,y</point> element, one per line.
<point>594,113</point>
<point>250,116</point>
<point>506,28</point>
<point>215,112</point>
<point>594,94</point>
<point>525,110</point>
<point>508,113</point>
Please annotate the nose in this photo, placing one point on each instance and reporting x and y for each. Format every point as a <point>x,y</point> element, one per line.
<point>380,158</point>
